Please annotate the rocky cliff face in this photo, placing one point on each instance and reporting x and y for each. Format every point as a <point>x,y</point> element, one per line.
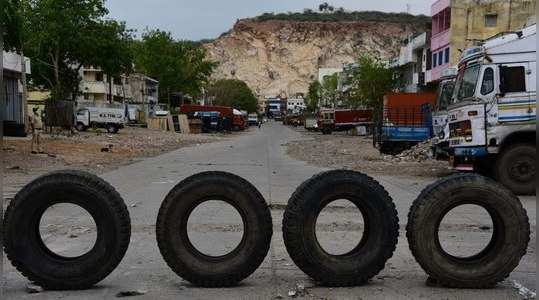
<point>278,57</point>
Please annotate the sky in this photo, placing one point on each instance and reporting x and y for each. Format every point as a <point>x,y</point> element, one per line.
<point>203,19</point>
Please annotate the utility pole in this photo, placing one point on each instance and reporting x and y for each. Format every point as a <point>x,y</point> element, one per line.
<point>24,92</point>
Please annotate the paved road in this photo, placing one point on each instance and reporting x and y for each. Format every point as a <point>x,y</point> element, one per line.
<point>259,156</point>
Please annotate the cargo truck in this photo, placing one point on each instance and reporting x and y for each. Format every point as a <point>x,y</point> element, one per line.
<point>440,143</point>
<point>112,119</point>
<point>406,121</point>
<point>492,116</point>
<point>233,119</point>
<point>330,120</point>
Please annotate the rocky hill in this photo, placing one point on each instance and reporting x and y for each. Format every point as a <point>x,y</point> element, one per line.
<point>279,55</point>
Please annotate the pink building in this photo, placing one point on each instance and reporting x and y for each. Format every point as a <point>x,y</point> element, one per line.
<point>440,40</point>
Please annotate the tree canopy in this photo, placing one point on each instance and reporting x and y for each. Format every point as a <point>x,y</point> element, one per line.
<point>180,66</point>
<point>313,96</point>
<point>61,37</point>
<point>234,93</point>
<point>329,92</point>
<point>370,81</point>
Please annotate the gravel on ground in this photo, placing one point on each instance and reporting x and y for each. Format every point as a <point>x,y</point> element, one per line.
<point>340,150</point>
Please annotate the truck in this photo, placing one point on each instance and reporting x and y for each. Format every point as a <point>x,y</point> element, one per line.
<point>440,143</point>
<point>233,119</point>
<point>492,115</point>
<point>330,120</point>
<point>252,119</point>
<point>111,118</point>
<point>406,121</point>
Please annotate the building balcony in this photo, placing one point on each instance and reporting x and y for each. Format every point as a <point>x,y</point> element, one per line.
<point>94,87</point>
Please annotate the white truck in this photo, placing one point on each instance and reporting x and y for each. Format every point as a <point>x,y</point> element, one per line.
<point>440,143</point>
<point>492,116</point>
<point>112,119</point>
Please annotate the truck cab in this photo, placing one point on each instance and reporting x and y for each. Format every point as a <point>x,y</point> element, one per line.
<point>492,113</point>
<point>326,121</point>
<point>440,142</point>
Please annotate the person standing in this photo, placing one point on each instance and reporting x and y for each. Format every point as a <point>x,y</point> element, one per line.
<point>36,125</point>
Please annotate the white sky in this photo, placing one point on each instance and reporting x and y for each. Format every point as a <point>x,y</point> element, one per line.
<point>195,20</point>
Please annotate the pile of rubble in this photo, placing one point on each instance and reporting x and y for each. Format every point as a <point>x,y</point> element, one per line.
<point>418,153</point>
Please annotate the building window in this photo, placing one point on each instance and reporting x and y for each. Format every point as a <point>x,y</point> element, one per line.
<point>434,60</point>
<point>446,55</point>
<point>99,76</point>
<point>491,20</point>
<point>86,96</point>
<point>513,79</point>
<point>440,58</point>
<point>488,81</point>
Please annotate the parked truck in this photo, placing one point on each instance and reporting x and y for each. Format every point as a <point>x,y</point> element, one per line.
<point>406,121</point>
<point>233,119</point>
<point>330,120</point>
<point>110,118</point>
<point>440,142</point>
<point>492,116</point>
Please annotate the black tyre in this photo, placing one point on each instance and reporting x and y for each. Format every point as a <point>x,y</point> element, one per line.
<point>491,265</point>
<point>379,236</point>
<point>29,254</point>
<point>80,127</point>
<point>190,263</point>
<point>515,169</point>
<point>111,128</point>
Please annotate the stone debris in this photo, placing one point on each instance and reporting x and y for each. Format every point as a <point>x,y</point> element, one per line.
<point>523,291</point>
<point>130,293</point>
<point>418,153</point>
<point>33,289</point>
<point>299,290</point>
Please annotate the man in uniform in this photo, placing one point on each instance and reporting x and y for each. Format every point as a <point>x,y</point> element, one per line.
<point>36,125</point>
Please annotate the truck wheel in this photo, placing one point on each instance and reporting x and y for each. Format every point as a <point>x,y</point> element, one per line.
<point>112,128</point>
<point>187,261</point>
<point>494,263</point>
<point>379,236</point>
<point>27,251</point>
<point>80,127</point>
<point>515,169</point>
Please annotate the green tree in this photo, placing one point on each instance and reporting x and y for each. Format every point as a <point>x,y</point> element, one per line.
<point>180,66</point>
<point>63,36</point>
<point>10,23</point>
<point>370,81</point>
<point>329,91</point>
<point>234,93</point>
<point>313,96</point>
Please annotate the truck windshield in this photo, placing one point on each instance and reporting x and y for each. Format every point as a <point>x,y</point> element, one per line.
<point>466,83</point>
<point>444,94</point>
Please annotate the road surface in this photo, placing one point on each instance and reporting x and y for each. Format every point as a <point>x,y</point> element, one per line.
<point>260,157</point>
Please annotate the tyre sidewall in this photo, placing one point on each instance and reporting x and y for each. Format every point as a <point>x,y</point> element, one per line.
<point>190,263</point>
<point>50,270</point>
<point>501,256</point>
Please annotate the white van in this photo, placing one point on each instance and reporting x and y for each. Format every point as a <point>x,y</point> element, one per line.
<point>112,119</point>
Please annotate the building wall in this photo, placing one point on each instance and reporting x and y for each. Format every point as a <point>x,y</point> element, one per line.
<point>468,25</point>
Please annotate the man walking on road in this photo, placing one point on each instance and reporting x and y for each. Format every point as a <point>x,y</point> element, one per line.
<point>36,126</point>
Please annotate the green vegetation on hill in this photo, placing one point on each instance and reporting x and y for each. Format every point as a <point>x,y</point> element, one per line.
<point>340,15</point>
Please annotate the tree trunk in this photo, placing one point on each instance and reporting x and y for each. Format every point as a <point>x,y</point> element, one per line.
<point>110,88</point>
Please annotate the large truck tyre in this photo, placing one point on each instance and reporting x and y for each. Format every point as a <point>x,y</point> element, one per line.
<point>377,243</point>
<point>27,251</point>
<point>497,260</point>
<point>80,127</point>
<point>515,168</point>
<point>195,266</point>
